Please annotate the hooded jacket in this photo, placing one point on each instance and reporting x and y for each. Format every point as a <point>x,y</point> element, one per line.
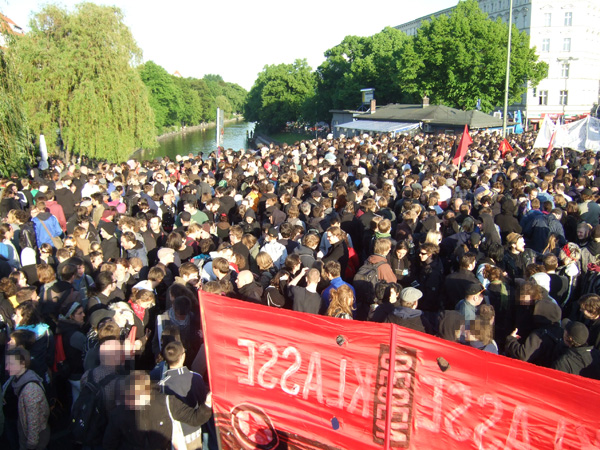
<point>32,405</point>
<point>584,361</point>
<point>541,344</point>
<point>410,318</point>
<point>506,220</point>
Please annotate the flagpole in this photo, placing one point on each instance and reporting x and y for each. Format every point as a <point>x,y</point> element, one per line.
<point>505,114</point>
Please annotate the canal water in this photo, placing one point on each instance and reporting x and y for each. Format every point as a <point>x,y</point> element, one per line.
<point>200,141</point>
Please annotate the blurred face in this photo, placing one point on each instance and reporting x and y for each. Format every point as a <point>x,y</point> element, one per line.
<point>401,253</point>
<point>423,256</point>
<point>14,366</point>
<point>581,233</point>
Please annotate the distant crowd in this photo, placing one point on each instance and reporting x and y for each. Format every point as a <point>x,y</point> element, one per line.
<point>100,267</point>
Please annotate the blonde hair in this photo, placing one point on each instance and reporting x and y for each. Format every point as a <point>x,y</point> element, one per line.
<point>264,261</point>
<point>342,301</point>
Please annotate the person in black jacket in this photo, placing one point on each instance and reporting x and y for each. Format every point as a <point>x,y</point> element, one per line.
<point>407,315</point>
<point>431,274</point>
<point>542,343</point>
<point>144,420</point>
<point>506,220</point>
<point>338,250</point>
<point>576,356</point>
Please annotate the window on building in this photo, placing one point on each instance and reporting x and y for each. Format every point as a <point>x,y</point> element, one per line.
<point>535,92</point>
<point>543,97</point>
<point>564,70</point>
<point>566,44</point>
<point>568,19</point>
<point>547,19</point>
<point>564,98</point>
<point>546,45</point>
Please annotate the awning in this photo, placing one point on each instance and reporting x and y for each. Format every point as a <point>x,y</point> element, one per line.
<point>379,126</point>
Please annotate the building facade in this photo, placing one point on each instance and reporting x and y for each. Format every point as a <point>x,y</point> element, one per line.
<point>566,36</point>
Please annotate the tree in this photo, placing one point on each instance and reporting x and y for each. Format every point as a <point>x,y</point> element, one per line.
<point>166,97</point>
<point>279,93</point>
<point>357,63</point>
<point>192,109</point>
<point>461,58</point>
<point>79,83</point>
<point>16,149</point>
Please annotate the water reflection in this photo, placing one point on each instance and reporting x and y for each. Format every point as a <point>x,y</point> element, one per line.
<point>200,141</point>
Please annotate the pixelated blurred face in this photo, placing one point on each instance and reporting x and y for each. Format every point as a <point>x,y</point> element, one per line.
<point>525,300</point>
<point>520,245</point>
<point>14,367</point>
<point>140,393</point>
<point>112,353</point>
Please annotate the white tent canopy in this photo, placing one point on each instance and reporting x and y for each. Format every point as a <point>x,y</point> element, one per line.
<point>378,126</point>
<point>580,135</point>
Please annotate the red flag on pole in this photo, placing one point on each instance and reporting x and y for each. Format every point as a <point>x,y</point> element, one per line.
<point>505,147</point>
<point>463,146</point>
<point>550,146</point>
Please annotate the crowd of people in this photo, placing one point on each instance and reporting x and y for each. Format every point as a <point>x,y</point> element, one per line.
<point>100,267</point>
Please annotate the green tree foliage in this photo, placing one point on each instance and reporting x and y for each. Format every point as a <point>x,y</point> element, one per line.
<point>166,97</point>
<point>460,58</point>
<point>279,93</point>
<point>79,84</point>
<point>16,149</point>
<point>357,63</point>
<point>455,60</point>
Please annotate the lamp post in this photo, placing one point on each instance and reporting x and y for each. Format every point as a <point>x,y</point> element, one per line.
<point>564,102</point>
<point>505,113</point>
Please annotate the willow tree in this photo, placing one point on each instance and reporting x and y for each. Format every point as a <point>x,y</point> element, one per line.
<point>16,149</point>
<point>80,84</point>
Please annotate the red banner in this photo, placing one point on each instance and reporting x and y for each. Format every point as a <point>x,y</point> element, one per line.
<point>286,380</point>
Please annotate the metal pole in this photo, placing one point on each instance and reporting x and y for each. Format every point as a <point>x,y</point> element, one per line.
<point>505,114</point>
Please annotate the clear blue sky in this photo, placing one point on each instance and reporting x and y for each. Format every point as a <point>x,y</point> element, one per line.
<point>237,38</point>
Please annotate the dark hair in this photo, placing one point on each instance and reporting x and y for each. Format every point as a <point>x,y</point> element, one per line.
<point>172,352</point>
<point>29,313</point>
<point>21,355</point>
<point>181,306</point>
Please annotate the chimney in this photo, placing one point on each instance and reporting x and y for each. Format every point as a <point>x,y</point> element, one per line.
<point>373,106</point>
<point>425,101</point>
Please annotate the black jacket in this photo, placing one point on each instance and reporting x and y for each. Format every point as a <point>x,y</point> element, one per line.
<point>410,318</point>
<point>506,220</point>
<point>150,428</point>
<point>584,361</point>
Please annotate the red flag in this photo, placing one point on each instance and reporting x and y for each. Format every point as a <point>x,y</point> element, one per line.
<point>505,147</point>
<point>550,146</point>
<point>463,146</point>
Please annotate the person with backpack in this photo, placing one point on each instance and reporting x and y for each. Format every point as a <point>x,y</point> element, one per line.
<point>98,395</point>
<point>33,409</point>
<point>27,317</point>
<point>189,387</point>
<point>72,340</point>
<point>375,269</point>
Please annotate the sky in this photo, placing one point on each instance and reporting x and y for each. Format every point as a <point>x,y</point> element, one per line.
<point>237,38</point>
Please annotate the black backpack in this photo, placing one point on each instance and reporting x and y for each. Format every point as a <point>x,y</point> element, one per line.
<point>364,284</point>
<point>88,415</point>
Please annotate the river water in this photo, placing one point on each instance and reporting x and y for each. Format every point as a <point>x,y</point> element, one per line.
<point>200,141</point>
